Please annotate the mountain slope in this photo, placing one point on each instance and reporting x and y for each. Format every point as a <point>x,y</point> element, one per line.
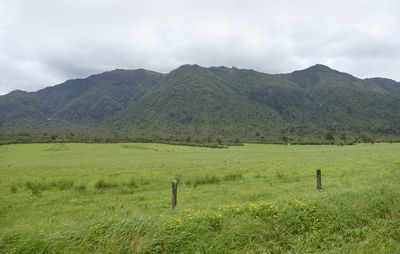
<point>194,101</point>
<point>389,85</point>
<point>343,102</point>
<point>20,108</point>
<point>91,108</point>
<point>215,101</point>
<point>76,102</point>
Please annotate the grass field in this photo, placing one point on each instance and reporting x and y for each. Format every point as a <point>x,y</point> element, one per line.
<point>115,198</point>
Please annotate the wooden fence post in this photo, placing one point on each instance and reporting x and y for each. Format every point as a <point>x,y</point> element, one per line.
<point>174,192</point>
<point>319,185</point>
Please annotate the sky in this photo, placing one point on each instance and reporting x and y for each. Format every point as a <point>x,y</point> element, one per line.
<point>45,42</point>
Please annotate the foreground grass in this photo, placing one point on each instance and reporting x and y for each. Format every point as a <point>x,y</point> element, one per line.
<point>79,198</point>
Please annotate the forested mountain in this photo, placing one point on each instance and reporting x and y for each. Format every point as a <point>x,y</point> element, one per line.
<point>216,101</point>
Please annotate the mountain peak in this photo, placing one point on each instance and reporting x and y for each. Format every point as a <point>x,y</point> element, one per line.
<point>319,67</point>
<point>189,67</point>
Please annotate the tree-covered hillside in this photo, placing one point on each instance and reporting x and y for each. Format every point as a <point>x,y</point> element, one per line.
<point>216,101</point>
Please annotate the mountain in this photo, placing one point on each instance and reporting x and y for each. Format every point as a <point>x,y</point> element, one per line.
<point>216,101</point>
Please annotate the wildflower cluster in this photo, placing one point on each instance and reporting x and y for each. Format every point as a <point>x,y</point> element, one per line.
<point>298,216</point>
<point>310,209</point>
<point>188,215</point>
<point>231,208</point>
<point>215,221</point>
<point>96,228</point>
<point>263,210</point>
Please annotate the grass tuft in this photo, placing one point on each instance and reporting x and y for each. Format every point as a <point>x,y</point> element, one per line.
<point>132,183</point>
<point>14,188</point>
<point>81,187</point>
<point>36,188</point>
<point>233,176</point>
<point>102,184</point>
<point>63,184</point>
<point>206,179</point>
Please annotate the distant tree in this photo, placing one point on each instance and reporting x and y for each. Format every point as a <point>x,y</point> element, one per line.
<point>343,136</point>
<point>285,139</point>
<point>372,140</point>
<point>329,137</point>
<point>365,138</point>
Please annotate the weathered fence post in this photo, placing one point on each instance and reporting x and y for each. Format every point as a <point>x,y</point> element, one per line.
<point>319,185</point>
<point>174,192</point>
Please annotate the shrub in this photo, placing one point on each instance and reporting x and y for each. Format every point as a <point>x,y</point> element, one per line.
<point>80,187</point>
<point>14,188</point>
<point>102,184</point>
<point>132,183</point>
<point>63,184</point>
<point>36,188</point>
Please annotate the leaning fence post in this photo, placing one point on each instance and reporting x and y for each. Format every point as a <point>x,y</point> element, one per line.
<point>319,185</point>
<point>174,193</point>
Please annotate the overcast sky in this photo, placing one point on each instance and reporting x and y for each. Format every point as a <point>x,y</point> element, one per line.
<point>45,42</point>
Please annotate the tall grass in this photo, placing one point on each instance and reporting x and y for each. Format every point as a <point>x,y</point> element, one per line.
<point>334,222</point>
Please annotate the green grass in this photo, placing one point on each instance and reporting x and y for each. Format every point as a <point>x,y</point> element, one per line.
<point>79,198</point>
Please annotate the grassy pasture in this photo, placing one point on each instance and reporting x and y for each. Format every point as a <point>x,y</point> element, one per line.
<point>79,198</point>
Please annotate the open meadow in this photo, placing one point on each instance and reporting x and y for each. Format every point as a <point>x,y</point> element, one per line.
<point>116,198</point>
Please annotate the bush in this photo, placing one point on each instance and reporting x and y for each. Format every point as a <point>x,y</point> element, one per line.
<point>14,188</point>
<point>132,183</point>
<point>80,187</point>
<point>36,188</point>
<point>63,184</point>
<point>102,184</point>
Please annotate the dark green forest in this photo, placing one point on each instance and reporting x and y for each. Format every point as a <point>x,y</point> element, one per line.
<point>193,104</point>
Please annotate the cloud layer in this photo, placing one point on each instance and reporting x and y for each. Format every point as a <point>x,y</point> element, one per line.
<point>45,42</point>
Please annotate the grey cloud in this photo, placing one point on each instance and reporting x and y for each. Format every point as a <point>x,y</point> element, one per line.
<point>45,42</point>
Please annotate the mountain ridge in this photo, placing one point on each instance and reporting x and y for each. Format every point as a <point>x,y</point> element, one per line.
<point>210,101</point>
